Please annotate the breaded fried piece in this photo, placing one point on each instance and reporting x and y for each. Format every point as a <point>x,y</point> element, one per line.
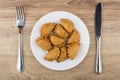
<point>73,50</point>
<point>46,29</point>
<point>67,24</point>
<point>75,37</point>
<point>61,45</point>
<point>60,31</point>
<point>43,43</point>
<point>63,54</point>
<point>55,40</point>
<point>52,55</point>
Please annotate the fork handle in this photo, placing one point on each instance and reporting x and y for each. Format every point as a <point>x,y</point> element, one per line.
<point>20,63</point>
<point>98,57</point>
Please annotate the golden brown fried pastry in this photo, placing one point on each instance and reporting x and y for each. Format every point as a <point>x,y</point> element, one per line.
<point>63,54</point>
<point>60,31</point>
<point>46,29</point>
<point>43,43</point>
<point>55,40</point>
<point>73,50</point>
<point>60,40</point>
<point>75,37</point>
<point>52,55</point>
<point>67,24</point>
<point>62,44</point>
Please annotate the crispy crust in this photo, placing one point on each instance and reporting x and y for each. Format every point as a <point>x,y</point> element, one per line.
<point>47,29</point>
<point>60,31</point>
<point>63,54</point>
<point>52,55</point>
<point>67,24</point>
<point>55,40</point>
<point>75,37</point>
<point>73,50</point>
<point>43,43</point>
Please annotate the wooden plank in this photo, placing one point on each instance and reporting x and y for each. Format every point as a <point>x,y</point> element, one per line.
<point>85,9</point>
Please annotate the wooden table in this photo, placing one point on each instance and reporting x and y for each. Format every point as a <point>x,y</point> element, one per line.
<point>85,9</point>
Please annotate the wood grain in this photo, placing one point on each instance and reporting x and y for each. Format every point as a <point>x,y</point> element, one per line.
<point>85,9</point>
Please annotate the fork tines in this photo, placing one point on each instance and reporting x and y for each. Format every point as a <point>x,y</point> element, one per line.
<point>20,12</point>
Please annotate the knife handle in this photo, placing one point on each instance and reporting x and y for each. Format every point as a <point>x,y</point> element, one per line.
<point>98,57</point>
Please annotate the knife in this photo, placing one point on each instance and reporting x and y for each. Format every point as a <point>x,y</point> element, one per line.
<point>98,23</point>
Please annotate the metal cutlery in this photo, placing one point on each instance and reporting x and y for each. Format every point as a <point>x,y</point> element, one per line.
<point>20,21</point>
<point>98,21</point>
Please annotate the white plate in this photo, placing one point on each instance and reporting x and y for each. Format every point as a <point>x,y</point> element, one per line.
<point>84,40</point>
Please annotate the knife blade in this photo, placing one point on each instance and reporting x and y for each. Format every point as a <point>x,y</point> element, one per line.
<point>98,22</point>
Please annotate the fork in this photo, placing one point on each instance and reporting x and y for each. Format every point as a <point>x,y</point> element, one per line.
<point>20,21</point>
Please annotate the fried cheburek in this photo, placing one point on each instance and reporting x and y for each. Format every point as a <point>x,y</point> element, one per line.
<point>63,54</point>
<point>43,43</point>
<point>67,24</point>
<point>46,29</point>
<point>60,40</point>
<point>75,37</point>
<point>52,55</point>
<point>60,31</point>
<point>73,50</point>
<point>55,40</point>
